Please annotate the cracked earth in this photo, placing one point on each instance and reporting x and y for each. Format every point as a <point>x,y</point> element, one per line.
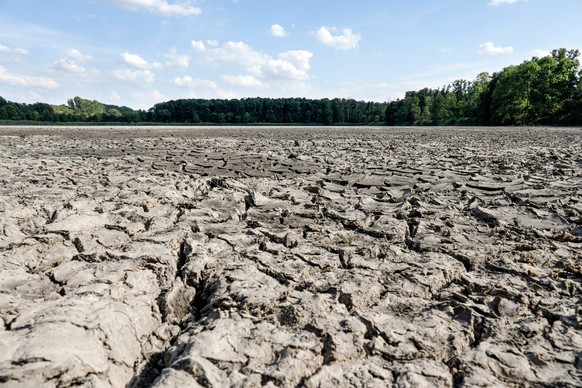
<point>246,257</point>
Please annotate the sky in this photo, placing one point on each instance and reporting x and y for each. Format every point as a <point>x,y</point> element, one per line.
<point>140,52</point>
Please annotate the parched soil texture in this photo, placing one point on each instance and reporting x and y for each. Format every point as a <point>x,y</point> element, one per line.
<point>311,257</point>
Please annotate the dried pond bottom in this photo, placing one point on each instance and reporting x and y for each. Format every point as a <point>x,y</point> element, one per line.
<point>290,257</point>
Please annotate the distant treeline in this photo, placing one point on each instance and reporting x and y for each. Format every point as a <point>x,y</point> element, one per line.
<point>203,111</point>
<point>544,91</point>
<point>269,110</point>
<point>77,110</point>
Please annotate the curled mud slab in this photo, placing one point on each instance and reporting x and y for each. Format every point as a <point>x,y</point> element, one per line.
<point>312,257</point>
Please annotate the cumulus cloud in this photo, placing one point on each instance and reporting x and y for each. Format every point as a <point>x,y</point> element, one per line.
<point>292,64</point>
<point>190,82</point>
<point>278,31</point>
<point>72,61</point>
<point>135,60</point>
<point>15,79</point>
<point>237,54</point>
<point>347,40</point>
<point>176,61</point>
<point>138,77</point>
<point>162,7</point>
<point>287,65</point>
<point>78,56</point>
<point>490,49</point>
<point>69,66</point>
<point>198,46</point>
<point>499,2</point>
<point>12,50</point>
<point>244,81</point>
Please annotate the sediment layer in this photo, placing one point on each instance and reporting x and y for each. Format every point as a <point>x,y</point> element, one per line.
<point>290,257</point>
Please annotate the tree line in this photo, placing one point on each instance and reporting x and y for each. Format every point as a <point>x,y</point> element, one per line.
<point>269,111</point>
<point>543,90</point>
<point>204,111</point>
<point>76,110</point>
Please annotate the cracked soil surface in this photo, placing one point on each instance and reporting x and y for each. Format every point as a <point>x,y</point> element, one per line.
<point>313,257</point>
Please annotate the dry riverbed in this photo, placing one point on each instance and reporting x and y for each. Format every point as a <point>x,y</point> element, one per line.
<point>316,257</point>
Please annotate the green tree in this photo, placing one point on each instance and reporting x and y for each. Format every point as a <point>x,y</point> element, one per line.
<point>476,95</point>
<point>327,112</point>
<point>555,84</point>
<point>391,112</point>
<point>162,115</point>
<point>85,109</point>
<point>511,97</point>
<point>247,118</point>
<point>441,108</point>
<point>409,112</point>
<point>12,112</point>
<point>425,97</point>
<point>535,90</point>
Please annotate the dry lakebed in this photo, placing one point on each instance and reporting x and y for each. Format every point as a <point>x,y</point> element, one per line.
<point>290,256</point>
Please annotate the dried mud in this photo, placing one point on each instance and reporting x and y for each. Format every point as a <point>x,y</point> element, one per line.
<point>313,257</point>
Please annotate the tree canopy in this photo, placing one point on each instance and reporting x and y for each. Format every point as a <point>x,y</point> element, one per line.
<point>269,111</point>
<point>77,110</point>
<point>544,90</point>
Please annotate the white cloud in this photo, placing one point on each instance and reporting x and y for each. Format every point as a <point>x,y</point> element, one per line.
<point>278,31</point>
<point>137,61</point>
<point>212,42</point>
<point>176,61</point>
<point>71,63</point>
<point>198,46</point>
<point>499,2</point>
<point>15,79</point>
<point>12,50</point>
<point>190,82</point>
<point>291,65</point>
<point>347,40</point>
<point>288,65</point>
<point>244,81</point>
<point>540,53</point>
<point>69,66</point>
<point>490,49</point>
<point>162,7</point>
<point>138,77</point>
<point>78,56</point>
<point>236,53</point>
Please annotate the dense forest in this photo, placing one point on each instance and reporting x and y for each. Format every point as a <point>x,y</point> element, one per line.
<point>539,91</point>
<point>200,111</point>
<point>545,90</point>
<point>267,110</point>
<point>77,110</point>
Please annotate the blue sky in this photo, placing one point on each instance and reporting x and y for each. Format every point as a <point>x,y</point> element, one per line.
<point>140,52</point>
